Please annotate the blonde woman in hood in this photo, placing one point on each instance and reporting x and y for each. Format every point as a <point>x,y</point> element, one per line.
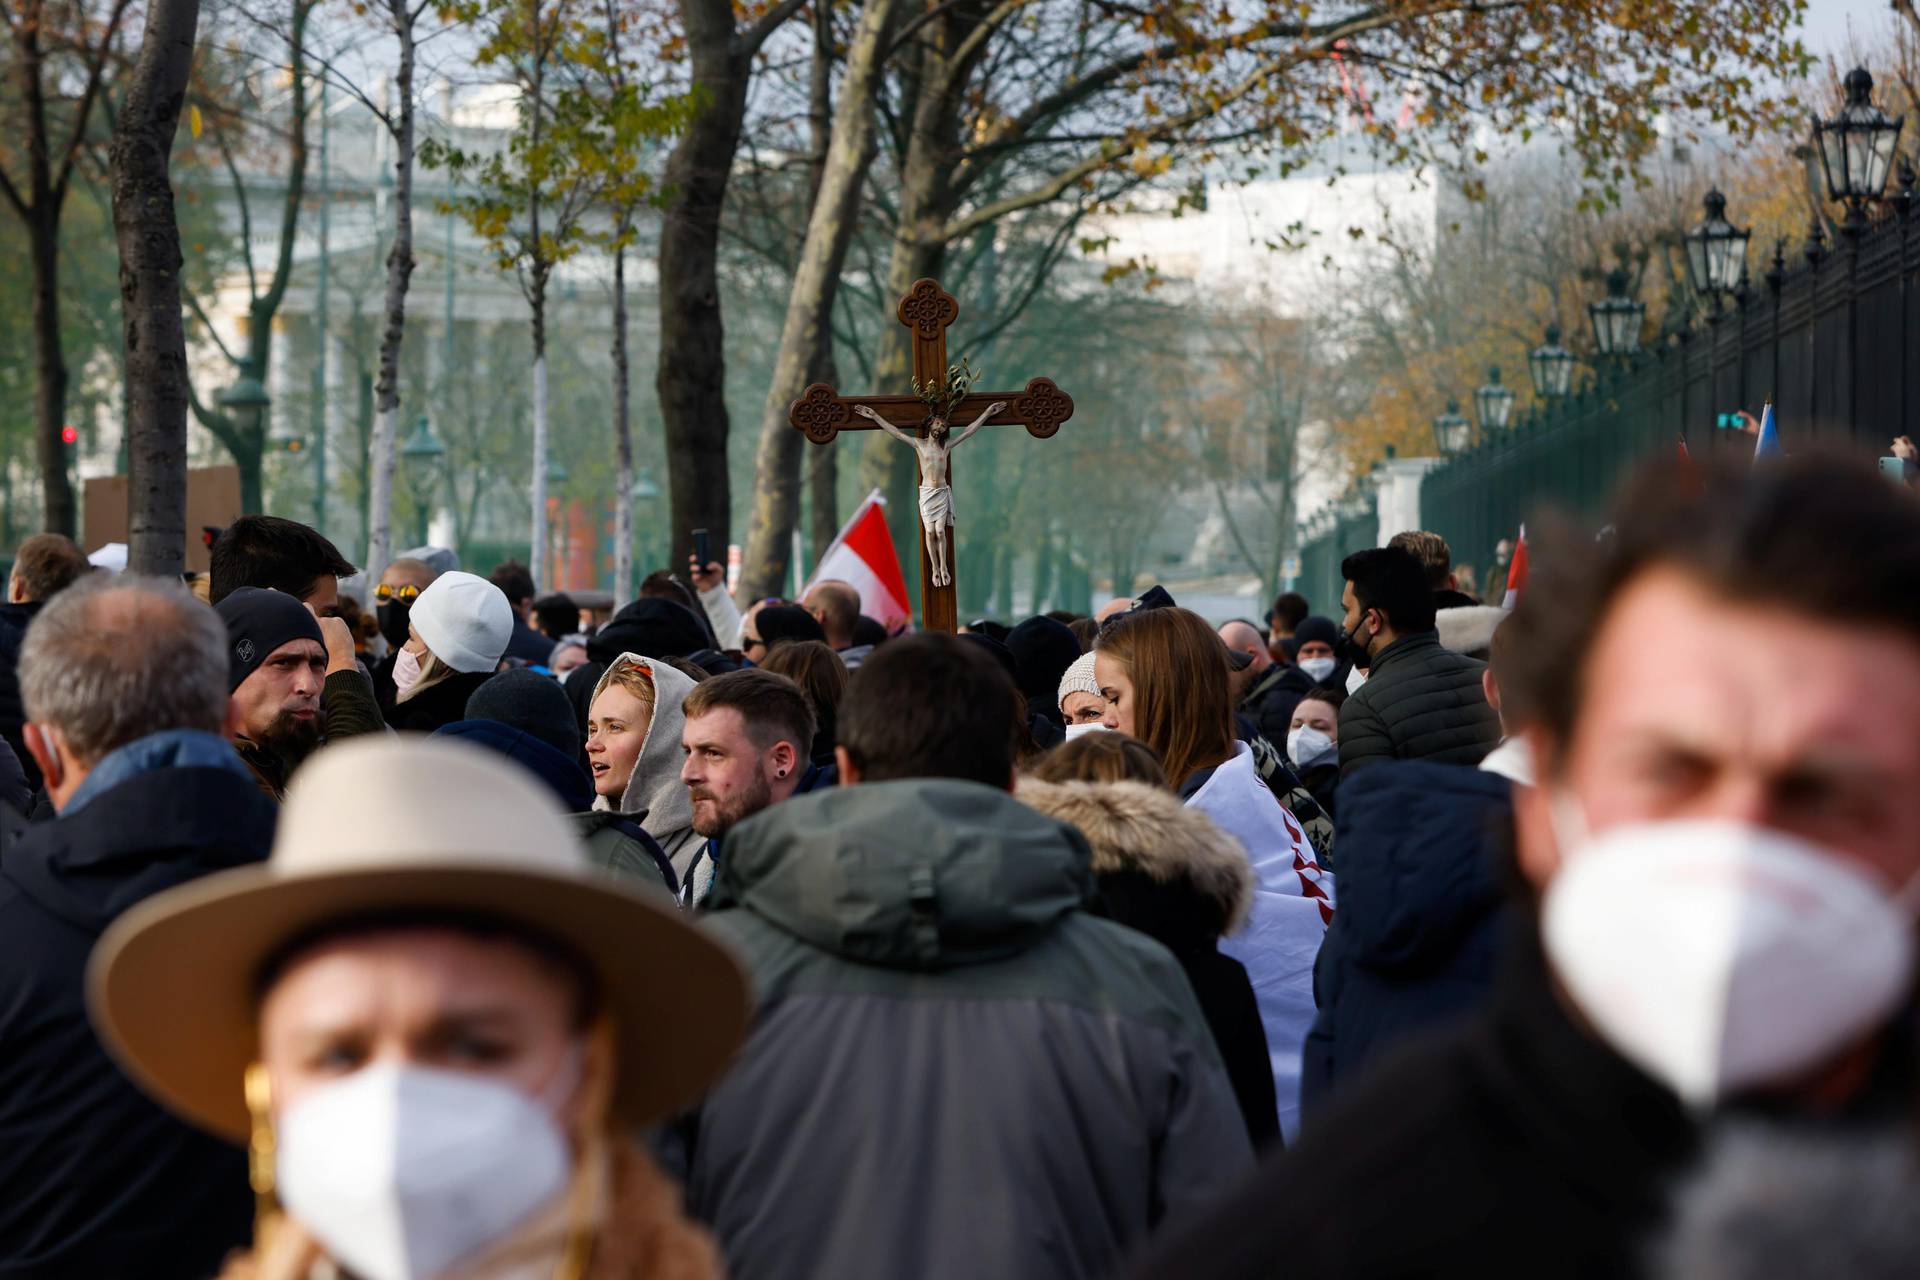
<point>633,749</point>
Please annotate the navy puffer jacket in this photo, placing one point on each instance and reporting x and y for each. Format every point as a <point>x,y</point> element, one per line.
<point>1422,914</point>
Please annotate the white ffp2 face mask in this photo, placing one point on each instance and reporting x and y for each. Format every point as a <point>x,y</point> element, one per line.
<point>401,1172</point>
<point>1318,669</point>
<point>1082,730</point>
<point>1355,678</point>
<point>1307,745</point>
<point>1719,956</point>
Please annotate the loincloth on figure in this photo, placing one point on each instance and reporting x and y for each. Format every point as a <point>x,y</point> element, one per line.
<point>936,506</point>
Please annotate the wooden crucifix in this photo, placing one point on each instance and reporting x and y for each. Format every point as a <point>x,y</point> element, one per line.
<point>822,413</point>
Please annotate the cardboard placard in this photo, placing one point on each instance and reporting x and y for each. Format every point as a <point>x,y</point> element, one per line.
<point>213,498</point>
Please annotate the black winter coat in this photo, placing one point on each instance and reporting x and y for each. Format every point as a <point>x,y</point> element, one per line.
<point>1420,702</point>
<point>1270,703</point>
<point>97,1180</point>
<point>1163,868</point>
<point>13,712</point>
<point>1416,941</point>
<point>1516,1145</point>
<point>444,704</point>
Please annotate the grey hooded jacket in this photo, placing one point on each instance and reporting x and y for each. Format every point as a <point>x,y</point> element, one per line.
<point>955,1070</point>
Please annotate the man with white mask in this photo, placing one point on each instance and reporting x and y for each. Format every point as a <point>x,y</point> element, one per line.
<point>437,1035</point>
<point>1719,863</point>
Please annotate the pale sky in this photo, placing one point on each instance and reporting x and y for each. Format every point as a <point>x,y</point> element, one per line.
<point>1828,22</point>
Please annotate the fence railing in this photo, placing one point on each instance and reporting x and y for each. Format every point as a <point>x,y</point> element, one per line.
<point>1830,342</point>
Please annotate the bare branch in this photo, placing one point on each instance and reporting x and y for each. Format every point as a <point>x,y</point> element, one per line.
<point>748,42</point>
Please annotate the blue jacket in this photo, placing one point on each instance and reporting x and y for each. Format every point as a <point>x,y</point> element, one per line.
<point>1418,933</point>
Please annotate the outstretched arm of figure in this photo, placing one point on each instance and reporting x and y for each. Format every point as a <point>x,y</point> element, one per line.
<point>976,424</point>
<point>867,412</point>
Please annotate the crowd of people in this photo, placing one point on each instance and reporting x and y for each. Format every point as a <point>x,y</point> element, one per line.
<point>472,935</point>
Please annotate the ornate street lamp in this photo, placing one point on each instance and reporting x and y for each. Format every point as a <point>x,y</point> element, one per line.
<point>423,454</point>
<point>1451,432</point>
<point>246,400</point>
<point>1551,366</point>
<point>1717,252</point>
<point>1617,318</point>
<point>1493,404</point>
<point>1856,149</point>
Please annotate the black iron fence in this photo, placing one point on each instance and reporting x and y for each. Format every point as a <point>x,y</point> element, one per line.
<point>1830,342</point>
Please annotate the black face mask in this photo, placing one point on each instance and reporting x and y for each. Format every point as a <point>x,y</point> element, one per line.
<point>1355,647</point>
<point>393,617</point>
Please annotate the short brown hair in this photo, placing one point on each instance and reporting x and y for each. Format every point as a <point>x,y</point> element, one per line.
<point>1821,537</point>
<point>818,670</point>
<point>932,705</point>
<point>1181,704</point>
<point>772,707</point>
<point>47,564</point>
<point>1102,757</point>
<point>1431,550</point>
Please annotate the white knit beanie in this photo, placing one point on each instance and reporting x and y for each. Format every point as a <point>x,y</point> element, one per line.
<point>1078,679</point>
<point>466,621</point>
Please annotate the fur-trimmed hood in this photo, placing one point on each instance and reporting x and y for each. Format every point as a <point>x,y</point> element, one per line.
<point>1139,829</point>
<point>1469,628</point>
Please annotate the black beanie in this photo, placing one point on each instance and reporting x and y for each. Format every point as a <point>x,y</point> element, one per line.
<point>258,622</point>
<point>530,702</point>
<point>1042,651</point>
<point>781,622</point>
<point>653,627</point>
<point>1315,627</point>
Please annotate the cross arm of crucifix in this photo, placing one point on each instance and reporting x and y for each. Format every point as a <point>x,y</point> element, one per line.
<point>822,413</point>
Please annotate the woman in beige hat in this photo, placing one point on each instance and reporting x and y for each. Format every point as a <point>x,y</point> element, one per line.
<point>433,1032</point>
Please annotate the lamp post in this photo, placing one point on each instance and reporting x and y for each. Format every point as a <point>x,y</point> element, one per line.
<point>1856,149</point>
<point>1493,404</point>
<point>1717,252</point>
<point>1617,318</point>
<point>1551,366</point>
<point>1451,431</point>
<point>646,498</point>
<point>247,400</point>
<point>422,454</point>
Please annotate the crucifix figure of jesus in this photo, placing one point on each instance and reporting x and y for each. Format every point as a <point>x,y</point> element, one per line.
<point>822,413</point>
<point>936,490</point>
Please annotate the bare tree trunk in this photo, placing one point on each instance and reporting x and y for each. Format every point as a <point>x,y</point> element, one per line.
<point>926,198</point>
<point>622,432</point>
<point>538,560</point>
<point>809,319</point>
<point>823,471</point>
<point>149,240</point>
<point>50,371</point>
<point>691,378</point>
<point>399,274</point>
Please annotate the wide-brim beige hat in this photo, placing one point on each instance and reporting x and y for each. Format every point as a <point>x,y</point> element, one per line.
<point>394,824</point>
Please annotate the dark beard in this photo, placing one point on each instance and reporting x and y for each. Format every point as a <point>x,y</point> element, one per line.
<point>743,806</point>
<point>290,740</point>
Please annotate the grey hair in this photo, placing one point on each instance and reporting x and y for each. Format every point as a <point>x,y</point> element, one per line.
<point>111,660</point>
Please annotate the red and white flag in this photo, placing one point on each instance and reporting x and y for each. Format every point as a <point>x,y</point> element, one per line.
<point>1517,571</point>
<point>863,558</point>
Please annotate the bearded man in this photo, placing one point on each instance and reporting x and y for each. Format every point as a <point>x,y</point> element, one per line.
<point>747,737</point>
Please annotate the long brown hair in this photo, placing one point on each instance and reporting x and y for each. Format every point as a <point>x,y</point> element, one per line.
<point>1178,667</point>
